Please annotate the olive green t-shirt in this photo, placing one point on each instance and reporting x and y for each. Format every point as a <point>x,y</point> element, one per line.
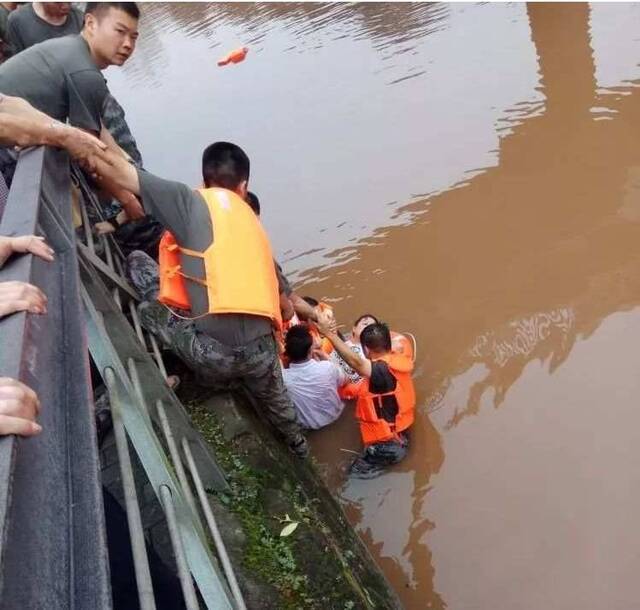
<point>59,78</point>
<point>184,212</point>
<point>25,28</point>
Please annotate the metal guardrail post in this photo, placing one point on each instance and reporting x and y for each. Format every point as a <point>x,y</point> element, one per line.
<point>175,457</point>
<point>176,542</point>
<point>138,548</point>
<point>106,354</point>
<point>213,528</point>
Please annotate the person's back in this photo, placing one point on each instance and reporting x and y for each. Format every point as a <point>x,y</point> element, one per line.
<point>25,27</point>
<point>312,384</point>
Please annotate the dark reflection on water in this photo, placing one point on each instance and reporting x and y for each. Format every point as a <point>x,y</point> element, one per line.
<point>472,174</point>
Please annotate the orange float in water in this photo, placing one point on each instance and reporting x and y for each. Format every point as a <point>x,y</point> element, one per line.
<point>403,344</point>
<point>235,57</point>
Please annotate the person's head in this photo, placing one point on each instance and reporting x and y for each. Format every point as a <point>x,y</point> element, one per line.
<point>254,202</point>
<point>298,343</point>
<point>226,166</point>
<point>56,10</point>
<point>361,323</point>
<point>376,339</point>
<point>111,30</point>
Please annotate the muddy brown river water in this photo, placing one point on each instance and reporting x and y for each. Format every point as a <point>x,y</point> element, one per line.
<point>470,173</point>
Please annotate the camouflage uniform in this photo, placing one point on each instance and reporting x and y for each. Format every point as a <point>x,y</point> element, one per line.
<point>255,365</point>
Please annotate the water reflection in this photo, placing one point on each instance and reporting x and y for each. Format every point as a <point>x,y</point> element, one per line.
<point>514,145</point>
<point>505,275</point>
<point>358,146</point>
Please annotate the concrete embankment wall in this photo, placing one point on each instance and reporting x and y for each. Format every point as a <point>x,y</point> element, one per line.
<point>321,564</point>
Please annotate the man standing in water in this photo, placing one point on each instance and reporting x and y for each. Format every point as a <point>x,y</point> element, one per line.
<point>385,398</point>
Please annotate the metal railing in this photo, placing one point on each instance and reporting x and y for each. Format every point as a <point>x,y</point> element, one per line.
<point>92,308</point>
<point>53,550</point>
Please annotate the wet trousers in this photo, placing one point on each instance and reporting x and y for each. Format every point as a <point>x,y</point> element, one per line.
<point>256,365</point>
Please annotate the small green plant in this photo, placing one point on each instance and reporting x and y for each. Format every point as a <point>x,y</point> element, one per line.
<point>267,554</point>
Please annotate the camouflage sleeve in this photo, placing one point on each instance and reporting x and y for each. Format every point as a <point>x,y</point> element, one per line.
<point>114,120</point>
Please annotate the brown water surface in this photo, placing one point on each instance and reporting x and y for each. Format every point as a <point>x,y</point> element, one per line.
<point>470,173</point>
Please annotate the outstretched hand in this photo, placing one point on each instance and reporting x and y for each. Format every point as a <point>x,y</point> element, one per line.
<point>19,406</point>
<point>26,243</point>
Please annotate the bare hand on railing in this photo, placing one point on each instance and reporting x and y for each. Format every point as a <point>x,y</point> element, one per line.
<point>19,406</point>
<point>25,243</point>
<point>20,296</point>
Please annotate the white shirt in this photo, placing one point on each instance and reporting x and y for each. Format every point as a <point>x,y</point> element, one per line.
<point>313,387</point>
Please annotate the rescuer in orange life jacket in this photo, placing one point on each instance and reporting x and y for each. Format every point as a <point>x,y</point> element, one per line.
<point>221,271</point>
<point>385,397</point>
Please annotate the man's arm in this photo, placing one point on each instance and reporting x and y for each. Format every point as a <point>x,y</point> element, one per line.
<point>113,168</point>
<point>286,308</point>
<point>361,365</point>
<point>302,308</point>
<point>120,178</point>
<point>22,125</point>
<point>111,144</point>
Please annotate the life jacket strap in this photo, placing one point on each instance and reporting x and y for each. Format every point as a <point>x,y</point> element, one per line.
<point>190,252</point>
<point>197,280</point>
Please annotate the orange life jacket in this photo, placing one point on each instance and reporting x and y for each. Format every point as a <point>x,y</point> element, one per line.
<point>239,271</point>
<point>373,428</point>
<point>173,291</point>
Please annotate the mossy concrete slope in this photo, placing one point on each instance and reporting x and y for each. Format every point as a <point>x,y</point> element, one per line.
<point>287,536</point>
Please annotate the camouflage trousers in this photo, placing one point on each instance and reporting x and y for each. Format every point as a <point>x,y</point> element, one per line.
<point>255,366</point>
